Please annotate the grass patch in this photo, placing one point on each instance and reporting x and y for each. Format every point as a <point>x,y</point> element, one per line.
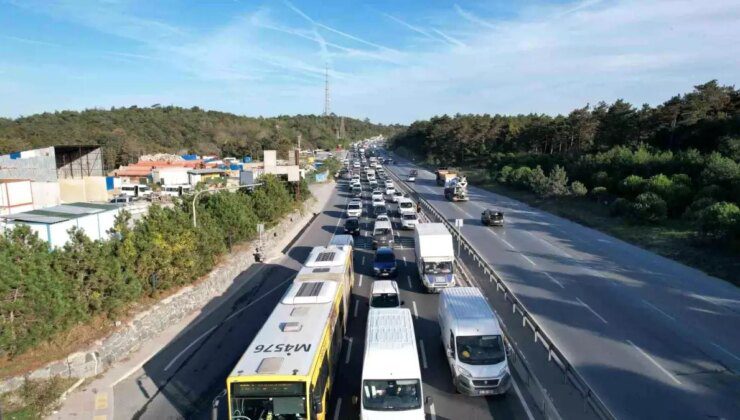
<point>36,399</point>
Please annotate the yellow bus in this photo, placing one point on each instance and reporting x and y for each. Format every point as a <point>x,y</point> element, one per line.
<point>330,263</point>
<point>288,370</point>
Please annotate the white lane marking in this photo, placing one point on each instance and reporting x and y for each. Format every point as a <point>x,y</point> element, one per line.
<point>363,260</point>
<point>357,305</point>
<point>174,359</point>
<point>658,309</point>
<point>360,276</point>
<point>723,349</point>
<point>338,408</point>
<point>546,242</point>
<point>423,354</point>
<point>655,362</point>
<point>555,280</point>
<point>349,351</point>
<point>592,311</point>
<point>521,398</point>
<point>503,240</point>
<point>408,278</point>
<point>257,300</point>
<point>432,412</point>
<point>416,313</point>
<point>404,259</point>
<point>527,258</point>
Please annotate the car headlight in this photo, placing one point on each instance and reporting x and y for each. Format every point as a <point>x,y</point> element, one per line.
<point>463,372</point>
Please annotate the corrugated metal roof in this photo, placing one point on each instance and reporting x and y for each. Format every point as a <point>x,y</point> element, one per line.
<point>60,213</point>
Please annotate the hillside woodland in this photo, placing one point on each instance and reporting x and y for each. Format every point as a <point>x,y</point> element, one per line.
<point>127,133</point>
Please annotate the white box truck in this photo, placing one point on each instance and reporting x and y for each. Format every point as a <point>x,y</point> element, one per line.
<point>434,256</point>
<point>474,343</point>
<point>391,376</point>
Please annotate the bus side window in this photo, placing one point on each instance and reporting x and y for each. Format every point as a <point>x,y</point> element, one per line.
<point>336,341</point>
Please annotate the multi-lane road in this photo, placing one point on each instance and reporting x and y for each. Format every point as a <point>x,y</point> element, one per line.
<point>653,338</point>
<point>184,378</point>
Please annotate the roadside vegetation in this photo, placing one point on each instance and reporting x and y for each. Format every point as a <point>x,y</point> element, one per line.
<point>666,177</point>
<point>35,399</point>
<point>46,295</point>
<point>126,133</point>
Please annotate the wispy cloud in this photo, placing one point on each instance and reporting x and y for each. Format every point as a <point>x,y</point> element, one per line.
<point>448,38</point>
<point>470,17</point>
<point>29,41</point>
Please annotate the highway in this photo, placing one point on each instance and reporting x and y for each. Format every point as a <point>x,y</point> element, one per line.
<point>653,338</point>
<point>183,379</point>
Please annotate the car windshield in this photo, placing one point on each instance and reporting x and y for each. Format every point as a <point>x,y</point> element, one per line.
<point>391,395</point>
<point>406,205</point>
<point>262,401</point>
<point>381,231</point>
<point>444,267</point>
<point>480,349</point>
<point>384,300</point>
<point>409,217</point>
<point>380,210</point>
<point>354,206</point>
<point>352,223</point>
<point>385,257</point>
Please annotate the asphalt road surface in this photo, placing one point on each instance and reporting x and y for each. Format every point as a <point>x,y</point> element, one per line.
<point>184,378</point>
<point>653,338</point>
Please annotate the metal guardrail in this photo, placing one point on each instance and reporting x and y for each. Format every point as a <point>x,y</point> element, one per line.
<point>547,406</point>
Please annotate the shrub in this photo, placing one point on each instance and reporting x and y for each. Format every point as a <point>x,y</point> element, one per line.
<point>682,179</point>
<point>601,178</point>
<point>649,207</point>
<point>520,177</point>
<point>620,207</point>
<point>599,193</point>
<point>538,182</point>
<point>659,184</point>
<point>720,170</point>
<point>720,220</point>
<point>632,186</point>
<point>578,189</point>
<point>557,182</point>
<point>504,175</point>
<point>695,208</point>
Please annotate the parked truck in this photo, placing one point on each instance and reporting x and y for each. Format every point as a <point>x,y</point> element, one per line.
<point>456,189</point>
<point>435,256</point>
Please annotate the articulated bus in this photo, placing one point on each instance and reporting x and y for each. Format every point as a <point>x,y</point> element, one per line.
<point>288,370</point>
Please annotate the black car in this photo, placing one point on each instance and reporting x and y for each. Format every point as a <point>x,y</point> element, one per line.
<point>352,226</point>
<point>492,218</point>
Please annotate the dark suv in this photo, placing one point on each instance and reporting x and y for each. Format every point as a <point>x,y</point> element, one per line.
<point>384,264</point>
<point>492,218</point>
<point>352,226</point>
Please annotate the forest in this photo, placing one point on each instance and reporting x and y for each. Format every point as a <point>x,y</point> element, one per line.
<point>676,160</point>
<point>127,133</point>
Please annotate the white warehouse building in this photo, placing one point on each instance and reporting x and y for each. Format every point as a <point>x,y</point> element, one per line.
<point>52,224</point>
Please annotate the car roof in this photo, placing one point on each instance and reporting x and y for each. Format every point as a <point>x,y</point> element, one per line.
<point>384,250</point>
<point>384,286</point>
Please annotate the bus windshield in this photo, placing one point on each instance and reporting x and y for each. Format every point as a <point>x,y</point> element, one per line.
<point>444,267</point>
<point>481,349</point>
<point>268,400</point>
<point>391,395</point>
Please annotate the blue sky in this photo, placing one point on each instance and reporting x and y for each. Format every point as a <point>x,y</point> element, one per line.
<point>390,61</point>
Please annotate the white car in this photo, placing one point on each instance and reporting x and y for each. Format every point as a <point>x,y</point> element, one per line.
<point>409,220</point>
<point>354,209</point>
<point>397,196</point>
<point>411,178</point>
<point>389,191</point>
<point>377,201</point>
<point>356,165</point>
<point>373,182</point>
<point>388,183</point>
<point>406,206</point>
<point>383,217</point>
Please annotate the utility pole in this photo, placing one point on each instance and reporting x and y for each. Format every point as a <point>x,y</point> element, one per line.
<point>327,108</point>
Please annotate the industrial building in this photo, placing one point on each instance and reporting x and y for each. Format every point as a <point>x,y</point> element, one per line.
<point>58,174</point>
<point>53,224</point>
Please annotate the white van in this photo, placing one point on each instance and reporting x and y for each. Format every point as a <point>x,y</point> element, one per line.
<point>391,378</point>
<point>474,343</point>
<point>406,206</point>
<point>384,294</point>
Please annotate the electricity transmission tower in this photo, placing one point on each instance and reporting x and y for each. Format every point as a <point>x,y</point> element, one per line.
<point>327,108</point>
